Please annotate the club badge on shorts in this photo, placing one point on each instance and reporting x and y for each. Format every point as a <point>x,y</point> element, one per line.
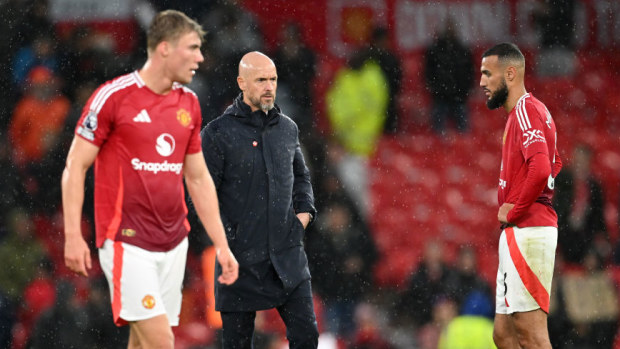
<point>148,301</point>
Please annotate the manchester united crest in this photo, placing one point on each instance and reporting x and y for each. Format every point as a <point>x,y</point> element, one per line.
<point>184,117</point>
<point>148,301</point>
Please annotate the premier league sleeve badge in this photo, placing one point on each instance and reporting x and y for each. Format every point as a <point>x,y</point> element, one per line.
<point>89,125</point>
<point>90,121</point>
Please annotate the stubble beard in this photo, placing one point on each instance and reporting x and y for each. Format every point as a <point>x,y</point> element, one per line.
<point>265,107</point>
<point>499,97</point>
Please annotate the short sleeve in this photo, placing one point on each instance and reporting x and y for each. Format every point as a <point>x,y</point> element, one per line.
<point>194,146</point>
<point>97,117</point>
<point>532,139</point>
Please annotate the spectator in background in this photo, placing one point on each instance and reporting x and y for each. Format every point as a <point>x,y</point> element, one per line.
<point>38,117</point>
<point>31,19</point>
<point>556,23</point>
<point>38,296</point>
<point>61,326</point>
<point>379,50</point>
<point>210,84</point>
<point>231,32</point>
<point>341,256</point>
<point>12,191</point>
<point>369,333</point>
<point>465,290</point>
<point>465,280</point>
<point>590,300</point>
<point>427,284</point>
<point>580,207</point>
<point>356,105</point>
<point>22,21</point>
<point>444,310</point>
<point>36,130</point>
<point>41,52</point>
<point>296,71</point>
<point>330,190</point>
<point>33,35</point>
<point>88,56</point>
<point>20,254</point>
<point>236,29</point>
<point>449,73</point>
<point>356,108</point>
<point>472,329</point>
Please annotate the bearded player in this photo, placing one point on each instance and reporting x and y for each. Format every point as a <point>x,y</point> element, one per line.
<point>530,162</point>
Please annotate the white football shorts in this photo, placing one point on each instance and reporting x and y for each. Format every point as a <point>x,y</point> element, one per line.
<point>143,284</point>
<point>526,261</point>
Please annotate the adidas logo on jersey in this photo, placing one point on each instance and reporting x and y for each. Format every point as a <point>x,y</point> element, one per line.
<point>142,116</point>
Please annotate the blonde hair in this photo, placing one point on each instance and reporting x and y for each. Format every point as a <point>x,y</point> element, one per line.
<point>169,25</point>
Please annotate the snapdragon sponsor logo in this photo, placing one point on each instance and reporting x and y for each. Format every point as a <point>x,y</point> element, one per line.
<point>165,144</point>
<point>156,167</point>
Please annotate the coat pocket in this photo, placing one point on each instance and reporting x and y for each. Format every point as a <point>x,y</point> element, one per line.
<point>292,266</point>
<point>295,236</point>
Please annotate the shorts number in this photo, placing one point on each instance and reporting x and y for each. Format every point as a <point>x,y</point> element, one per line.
<point>551,182</point>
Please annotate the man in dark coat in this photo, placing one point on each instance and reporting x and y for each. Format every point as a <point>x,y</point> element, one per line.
<point>266,202</point>
<point>580,206</point>
<point>449,73</point>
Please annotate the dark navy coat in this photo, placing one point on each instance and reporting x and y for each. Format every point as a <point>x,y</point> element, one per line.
<point>262,182</point>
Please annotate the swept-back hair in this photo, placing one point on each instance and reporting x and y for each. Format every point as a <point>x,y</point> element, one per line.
<point>169,25</point>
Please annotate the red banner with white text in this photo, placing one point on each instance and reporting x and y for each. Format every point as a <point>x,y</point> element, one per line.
<point>336,27</point>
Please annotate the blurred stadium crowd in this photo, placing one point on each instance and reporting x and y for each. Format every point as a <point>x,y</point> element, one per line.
<point>404,156</point>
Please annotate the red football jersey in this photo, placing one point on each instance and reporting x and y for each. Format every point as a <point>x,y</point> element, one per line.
<point>530,130</point>
<point>143,138</point>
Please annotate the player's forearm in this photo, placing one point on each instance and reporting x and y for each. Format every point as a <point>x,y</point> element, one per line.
<point>72,184</point>
<point>538,172</point>
<point>204,197</point>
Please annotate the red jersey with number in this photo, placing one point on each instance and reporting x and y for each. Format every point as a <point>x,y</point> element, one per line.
<point>530,130</point>
<point>143,139</point>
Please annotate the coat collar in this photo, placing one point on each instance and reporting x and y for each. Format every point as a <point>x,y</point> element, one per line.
<point>257,118</point>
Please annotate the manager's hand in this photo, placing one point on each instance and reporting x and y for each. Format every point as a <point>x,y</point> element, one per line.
<point>304,218</point>
<point>230,267</point>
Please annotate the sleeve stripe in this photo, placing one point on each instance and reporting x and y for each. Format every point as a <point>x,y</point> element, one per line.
<point>522,117</point>
<point>109,93</point>
<point>518,112</point>
<point>106,88</point>
<point>139,80</point>
<point>103,94</point>
<point>526,117</point>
